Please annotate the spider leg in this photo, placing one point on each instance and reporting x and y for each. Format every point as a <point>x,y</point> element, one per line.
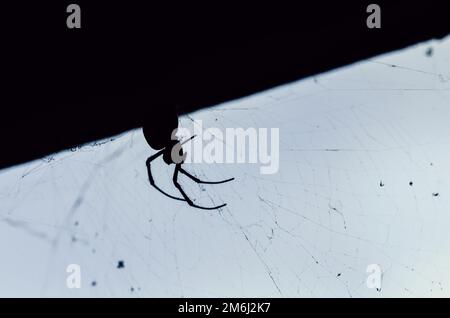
<point>189,139</point>
<point>201,181</point>
<point>150,176</point>
<point>188,200</point>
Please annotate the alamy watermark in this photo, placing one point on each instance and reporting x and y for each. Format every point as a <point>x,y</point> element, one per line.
<point>230,145</point>
<point>375,276</point>
<point>73,20</point>
<point>73,280</point>
<point>374,19</point>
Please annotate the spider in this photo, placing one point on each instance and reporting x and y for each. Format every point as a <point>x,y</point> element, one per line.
<point>159,137</point>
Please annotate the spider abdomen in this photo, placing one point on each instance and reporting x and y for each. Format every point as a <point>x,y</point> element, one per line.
<point>158,130</point>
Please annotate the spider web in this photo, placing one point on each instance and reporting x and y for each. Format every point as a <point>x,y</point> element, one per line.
<point>363,179</point>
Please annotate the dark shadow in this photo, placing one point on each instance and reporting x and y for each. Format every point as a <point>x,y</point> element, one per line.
<point>131,64</point>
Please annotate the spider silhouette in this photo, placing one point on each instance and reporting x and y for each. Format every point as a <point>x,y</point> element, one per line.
<point>159,137</point>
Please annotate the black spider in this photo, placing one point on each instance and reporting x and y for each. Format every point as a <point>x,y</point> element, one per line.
<point>159,137</point>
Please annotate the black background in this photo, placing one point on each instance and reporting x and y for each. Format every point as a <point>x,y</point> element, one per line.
<point>288,307</point>
<point>133,60</point>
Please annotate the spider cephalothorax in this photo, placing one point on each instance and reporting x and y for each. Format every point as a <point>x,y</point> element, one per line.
<point>159,137</point>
